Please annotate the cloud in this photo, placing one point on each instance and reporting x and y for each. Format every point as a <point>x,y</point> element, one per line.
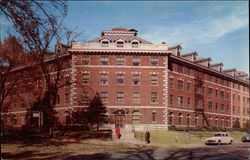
<point>204,30</point>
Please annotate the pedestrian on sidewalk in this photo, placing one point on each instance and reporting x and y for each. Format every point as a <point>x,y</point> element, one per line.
<point>147,137</point>
<point>118,133</point>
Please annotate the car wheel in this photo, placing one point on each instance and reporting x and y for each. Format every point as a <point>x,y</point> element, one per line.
<point>219,142</point>
<point>231,141</point>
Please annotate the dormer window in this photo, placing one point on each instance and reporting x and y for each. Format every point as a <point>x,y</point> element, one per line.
<point>120,44</point>
<point>105,43</point>
<point>135,44</point>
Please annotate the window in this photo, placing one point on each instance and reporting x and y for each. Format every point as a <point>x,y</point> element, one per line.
<point>233,97</point>
<point>233,109</point>
<point>136,117</point>
<point>135,44</point>
<point>188,119</point>
<point>136,79</point>
<point>188,71</point>
<point>22,105</point>
<point>104,78</point>
<point>216,106</point>
<point>67,81</point>
<point>180,85</point>
<point>153,116</point>
<point>170,118</point>
<point>180,69</point>
<point>180,101</point>
<point>216,93</point>
<point>222,94</point>
<point>238,98</point>
<point>228,96</point>
<point>188,86</point>
<point>210,92</point>
<point>196,120</point>
<point>154,61</point>
<point>222,107</point>
<point>189,102</point>
<point>120,79</point>
<point>58,99</point>
<point>171,99</point>
<point>85,78</point>
<point>120,60</point>
<point>120,44</point>
<point>104,60</point>
<point>136,61</point>
<point>105,43</point>
<point>120,97</point>
<point>154,79</point>
<point>153,97</point>
<point>85,60</point>
<point>227,109</point>
<point>210,105</point>
<point>171,83</point>
<point>104,97</point>
<point>66,98</point>
<point>85,97</point>
<point>136,97</point>
<point>180,119</point>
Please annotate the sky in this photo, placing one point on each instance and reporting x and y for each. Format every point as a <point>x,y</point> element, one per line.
<point>215,29</point>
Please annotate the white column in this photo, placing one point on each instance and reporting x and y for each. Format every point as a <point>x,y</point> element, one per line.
<point>165,91</point>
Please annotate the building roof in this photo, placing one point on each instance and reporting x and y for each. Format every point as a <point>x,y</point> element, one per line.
<point>229,70</point>
<point>240,73</point>
<point>216,64</point>
<point>202,59</point>
<point>173,47</point>
<point>120,33</point>
<point>189,54</point>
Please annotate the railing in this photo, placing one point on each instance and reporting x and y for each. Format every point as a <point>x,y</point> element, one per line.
<point>139,135</point>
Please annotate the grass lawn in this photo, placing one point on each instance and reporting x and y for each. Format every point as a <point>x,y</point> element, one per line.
<point>180,138</point>
<point>62,148</point>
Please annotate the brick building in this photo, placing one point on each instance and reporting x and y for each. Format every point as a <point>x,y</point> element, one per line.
<point>145,85</point>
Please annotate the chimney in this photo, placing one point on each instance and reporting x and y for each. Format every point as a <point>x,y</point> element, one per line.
<point>203,61</point>
<point>175,50</point>
<point>190,56</point>
<point>217,66</point>
<point>230,72</point>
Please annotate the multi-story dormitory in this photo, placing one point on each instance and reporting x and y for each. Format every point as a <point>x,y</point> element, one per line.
<point>145,85</point>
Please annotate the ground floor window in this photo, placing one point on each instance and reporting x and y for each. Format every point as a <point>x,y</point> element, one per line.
<point>136,117</point>
<point>180,119</point>
<point>188,119</point>
<point>153,116</point>
<point>170,118</point>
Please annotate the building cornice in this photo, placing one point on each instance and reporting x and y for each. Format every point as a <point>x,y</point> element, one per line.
<point>206,69</point>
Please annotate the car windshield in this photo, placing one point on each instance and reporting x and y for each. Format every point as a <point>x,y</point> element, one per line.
<point>217,135</point>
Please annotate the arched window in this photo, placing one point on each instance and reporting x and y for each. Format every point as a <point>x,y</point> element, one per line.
<point>66,117</point>
<point>153,116</point>
<point>228,122</point>
<point>188,119</point>
<point>136,117</point>
<point>180,119</point>
<point>170,118</point>
<point>216,122</point>
<point>222,123</point>
<point>196,120</point>
<point>105,42</point>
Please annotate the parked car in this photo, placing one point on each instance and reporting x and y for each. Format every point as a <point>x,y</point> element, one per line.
<point>219,138</point>
<point>246,138</point>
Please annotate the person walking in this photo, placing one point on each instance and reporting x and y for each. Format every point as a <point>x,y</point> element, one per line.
<point>147,137</point>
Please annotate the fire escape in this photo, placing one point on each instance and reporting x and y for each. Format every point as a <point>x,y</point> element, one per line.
<point>199,102</point>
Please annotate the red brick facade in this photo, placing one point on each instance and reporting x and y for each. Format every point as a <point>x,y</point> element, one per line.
<point>144,85</point>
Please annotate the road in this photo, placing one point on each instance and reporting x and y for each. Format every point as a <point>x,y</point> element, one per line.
<point>239,151</point>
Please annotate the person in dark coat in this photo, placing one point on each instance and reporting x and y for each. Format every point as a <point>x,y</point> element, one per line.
<point>147,137</point>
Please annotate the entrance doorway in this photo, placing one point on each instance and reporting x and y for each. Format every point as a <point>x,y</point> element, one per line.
<point>119,119</point>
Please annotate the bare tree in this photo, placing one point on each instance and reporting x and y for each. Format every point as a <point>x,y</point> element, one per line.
<point>39,25</point>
